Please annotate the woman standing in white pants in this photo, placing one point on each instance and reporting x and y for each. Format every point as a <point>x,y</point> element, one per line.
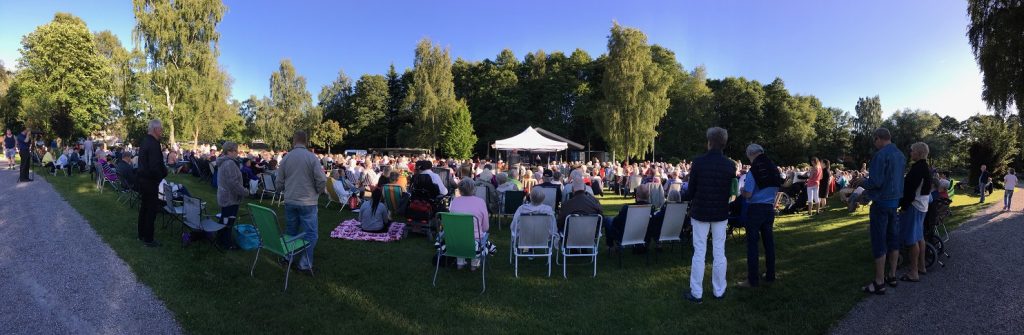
<point>813,182</point>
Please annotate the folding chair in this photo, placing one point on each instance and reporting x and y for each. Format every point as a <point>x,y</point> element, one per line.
<point>269,187</point>
<point>272,240</point>
<point>672,225</point>
<point>533,233</point>
<point>458,236</point>
<point>510,202</point>
<point>174,212</point>
<point>195,221</point>
<point>635,231</point>
<point>582,233</point>
<point>550,195</point>
<point>332,195</point>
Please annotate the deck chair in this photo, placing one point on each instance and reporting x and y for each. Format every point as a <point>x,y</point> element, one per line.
<point>173,210</point>
<point>195,221</point>
<point>273,241</point>
<point>657,194</point>
<point>392,194</point>
<point>269,187</point>
<point>332,196</point>
<point>534,235</point>
<point>510,202</point>
<point>672,225</point>
<point>583,234</point>
<point>635,232</point>
<point>457,234</point>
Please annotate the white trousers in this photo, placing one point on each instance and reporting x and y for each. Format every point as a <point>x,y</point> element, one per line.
<point>812,194</point>
<point>700,248</point>
<point>254,185</point>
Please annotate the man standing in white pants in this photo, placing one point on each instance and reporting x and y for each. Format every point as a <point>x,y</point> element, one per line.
<point>708,193</point>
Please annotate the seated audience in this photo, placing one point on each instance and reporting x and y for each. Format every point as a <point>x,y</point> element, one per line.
<point>535,206</point>
<point>474,206</point>
<point>580,203</point>
<point>373,215</point>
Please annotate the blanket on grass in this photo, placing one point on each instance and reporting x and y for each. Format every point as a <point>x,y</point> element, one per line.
<point>349,230</point>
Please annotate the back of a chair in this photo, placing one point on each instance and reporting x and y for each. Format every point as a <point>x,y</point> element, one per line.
<point>265,221</point>
<point>657,194</point>
<point>168,197</point>
<point>637,219</point>
<point>459,238</point>
<point>512,201</point>
<point>332,195</point>
<point>392,196</point>
<point>533,231</point>
<point>672,226</point>
<point>550,195</point>
<point>193,212</point>
<point>581,231</point>
<point>482,193</point>
<point>678,187</point>
<point>268,182</point>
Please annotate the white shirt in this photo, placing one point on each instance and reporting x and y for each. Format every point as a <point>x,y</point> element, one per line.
<point>1010,181</point>
<point>437,181</point>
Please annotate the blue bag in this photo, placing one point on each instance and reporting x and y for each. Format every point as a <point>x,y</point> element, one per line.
<point>246,237</point>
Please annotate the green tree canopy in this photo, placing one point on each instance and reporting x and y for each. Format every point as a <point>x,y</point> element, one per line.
<point>996,34</point>
<point>365,124</point>
<point>868,118</point>
<point>738,104</point>
<point>433,106</point>
<point>290,106</point>
<point>63,80</point>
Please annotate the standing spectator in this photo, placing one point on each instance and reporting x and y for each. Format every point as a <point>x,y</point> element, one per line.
<point>151,171</point>
<point>884,188</point>
<point>813,186</point>
<point>230,191</point>
<point>827,185</point>
<point>709,190</point>
<point>24,140</point>
<point>302,180</point>
<point>1009,183</point>
<point>9,148</point>
<point>917,189</point>
<point>759,187</point>
<point>983,181</point>
<point>88,152</point>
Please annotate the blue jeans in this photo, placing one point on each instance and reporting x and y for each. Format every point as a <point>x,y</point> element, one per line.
<point>981,188</point>
<point>1007,199</point>
<point>885,230</point>
<point>302,219</point>
<point>760,219</point>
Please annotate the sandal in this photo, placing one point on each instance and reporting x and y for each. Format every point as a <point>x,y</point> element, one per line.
<point>874,288</point>
<point>892,281</point>
<point>907,278</point>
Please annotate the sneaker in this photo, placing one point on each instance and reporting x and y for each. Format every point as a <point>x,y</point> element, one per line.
<point>689,296</point>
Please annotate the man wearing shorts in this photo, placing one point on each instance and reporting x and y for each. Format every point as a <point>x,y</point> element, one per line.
<point>884,186</point>
<point>9,144</point>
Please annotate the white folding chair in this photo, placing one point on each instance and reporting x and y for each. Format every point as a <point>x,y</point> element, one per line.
<point>582,233</point>
<point>635,231</point>
<point>672,226</point>
<point>532,238</point>
<point>269,187</point>
<point>550,194</point>
<point>482,193</point>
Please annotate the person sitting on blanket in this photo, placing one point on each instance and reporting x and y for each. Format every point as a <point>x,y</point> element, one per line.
<point>373,215</point>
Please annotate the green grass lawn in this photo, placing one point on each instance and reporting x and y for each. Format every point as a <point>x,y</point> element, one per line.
<point>386,288</point>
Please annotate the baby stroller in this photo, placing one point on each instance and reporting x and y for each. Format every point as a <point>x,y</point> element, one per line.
<point>793,198</point>
<point>935,233</point>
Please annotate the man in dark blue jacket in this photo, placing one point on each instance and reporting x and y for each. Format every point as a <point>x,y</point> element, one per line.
<point>709,190</point>
<point>884,186</point>
<point>150,173</point>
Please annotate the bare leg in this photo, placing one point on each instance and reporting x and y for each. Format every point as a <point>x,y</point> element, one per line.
<point>893,261</point>
<point>880,269</point>
<point>915,252</point>
<point>921,263</point>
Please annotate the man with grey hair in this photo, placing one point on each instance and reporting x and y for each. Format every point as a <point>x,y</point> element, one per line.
<point>302,179</point>
<point>708,192</point>
<point>759,187</point>
<point>580,202</point>
<point>151,171</point>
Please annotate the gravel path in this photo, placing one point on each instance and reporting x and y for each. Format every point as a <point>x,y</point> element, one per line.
<point>58,277</point>
<point>978,292</point>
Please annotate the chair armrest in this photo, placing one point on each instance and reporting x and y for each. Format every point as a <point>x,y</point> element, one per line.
<point>296,237</point>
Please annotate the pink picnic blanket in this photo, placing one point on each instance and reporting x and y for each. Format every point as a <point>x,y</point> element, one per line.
<point>349,230</point>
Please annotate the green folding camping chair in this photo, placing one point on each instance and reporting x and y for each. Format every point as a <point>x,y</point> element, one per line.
<point>272,240</point>
<point>460,242</point>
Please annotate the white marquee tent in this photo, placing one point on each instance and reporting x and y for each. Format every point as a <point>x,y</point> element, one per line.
<point>530,140</point>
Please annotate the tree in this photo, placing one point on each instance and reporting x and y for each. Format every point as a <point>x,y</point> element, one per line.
<point>789,122</point>
<point>396,94</point>
<point>8,98</point>
<point>689,116</point>
<point>869,118</point>
<point>457,137</point>
<point>290,105</point>
<point>431,101</point>
<point>180,42</point>
<point>996,34</point>
<point>738,104</point>
<point>335,99</point>
<point>991,141</point>
<point>366,122</point>
<point>911,126</point>
<point>62,79</point>
<point>327,134</point>
<point>634,94</point>
<point>833,133</point>
<point>490,90</point>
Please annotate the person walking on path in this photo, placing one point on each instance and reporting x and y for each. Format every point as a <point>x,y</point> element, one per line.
<point>151,172</point>
<point>1009,184</point>
<point>300,176</point>
<point>711,178</point>
<point>759,187</point>
<point>24,139</point>
<point>983,180</point>
<point>884,188</point>
<point>917,189</point>
<point>10,145</point>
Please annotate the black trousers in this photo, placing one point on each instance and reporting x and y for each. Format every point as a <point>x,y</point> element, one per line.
<point>149,208</point>
<point>26,163</point>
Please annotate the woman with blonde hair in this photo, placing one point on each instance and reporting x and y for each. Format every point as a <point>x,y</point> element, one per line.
<point>813,182</point>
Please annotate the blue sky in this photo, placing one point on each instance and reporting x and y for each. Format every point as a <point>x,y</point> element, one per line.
<point>914,54</point>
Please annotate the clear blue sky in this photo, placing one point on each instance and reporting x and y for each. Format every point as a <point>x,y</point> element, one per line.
<point>912,53</point>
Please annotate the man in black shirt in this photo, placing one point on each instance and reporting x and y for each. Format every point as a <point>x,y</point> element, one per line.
<point>983,181</point>
<point>150,172</point>
<point>26,154</point>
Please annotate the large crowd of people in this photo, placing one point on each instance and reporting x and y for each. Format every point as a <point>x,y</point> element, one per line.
<point>723,194</point>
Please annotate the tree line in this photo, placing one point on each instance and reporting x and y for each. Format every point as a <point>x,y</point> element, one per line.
<point>636,100</point>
